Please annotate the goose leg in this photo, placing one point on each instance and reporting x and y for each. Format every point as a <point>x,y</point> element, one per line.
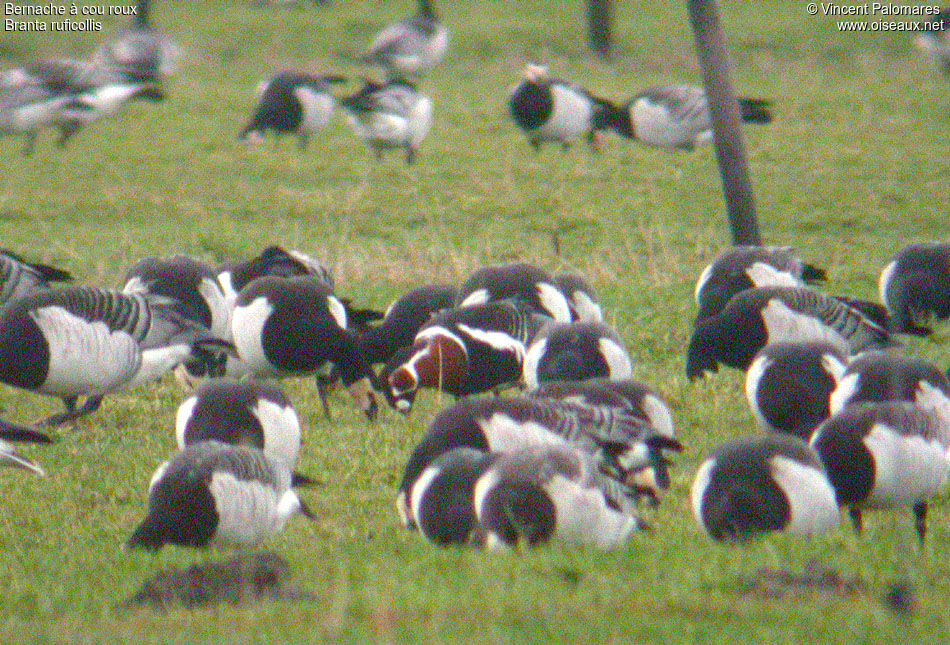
<point>856,520</point>
<point>322,385</point>
<point>72,412</point>
<point>920,520</point>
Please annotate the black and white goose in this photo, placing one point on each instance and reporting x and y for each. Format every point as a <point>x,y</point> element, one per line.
<point>630,452</point>
<point>759,316</point>
<point>934,39</point>
<point>403,319</point>
<point>675,117</point>
<point>526,284</point>
<point>389,116</point>
<point>546,492</point>
<point>213,493</point>
<point>272,261</point>
<point>141,52</point>
<point>788,385</point>
<point>10,458</point>
<point>581,298</point>
<point>242,413</point>
<point>84,341</point>
<point>915,286</point>
<point>20,278</point>
<point>549,109</point>
<point>575,352</point>
<point>442,496</point>
<point>743,267</point>
<point>625,395</point>
<point>760,484</point>
<point>410,48</point>
<point>468,350</point>
<point>296,326</point>
<point>292,103</point>
<point>886,455</point>
<point>889,376</point>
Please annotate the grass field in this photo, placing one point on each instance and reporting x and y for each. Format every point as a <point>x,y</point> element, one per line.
<point>854,167</point>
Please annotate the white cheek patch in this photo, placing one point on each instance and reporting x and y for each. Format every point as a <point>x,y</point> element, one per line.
<point>811,498</point>
<point>497,340</point>
<point>220,310</point>
<point>337,310</point>
<point>587,309</point>
<point>182,418</point>
<point>554,302</point>
<point>247,329</point>
<point>784,324</point>
<point>765,275</point>
<point>701,282</point>
<point>281,429</point>
<point>884,283</point>
<point>477,297</point>
<point>700,484</point>
<point>847,387</point>
<point>833,367</point>
<point>531,360</point>
<point>752,378</point>
<point>419,488</point>
<point>135,285</point>
<point>617,359</point>
<point>906,469</point>
<point>484,484</point>
<point>157,475</point>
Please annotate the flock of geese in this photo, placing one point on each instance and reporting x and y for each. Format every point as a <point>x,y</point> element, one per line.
<point>850,418</point>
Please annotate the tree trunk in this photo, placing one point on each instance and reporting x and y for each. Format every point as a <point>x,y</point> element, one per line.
<point>727,132</point>
<point>598,27</point>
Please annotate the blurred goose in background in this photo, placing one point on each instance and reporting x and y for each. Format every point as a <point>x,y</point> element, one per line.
<point>410,48</point>
<point>393,115</point>
<point>935,39</point>
<point>292,103</point>
<point>141,52</point>
<point>915,287</point>
<point>674,117</point>
<point>20,278</point>
<point>549,109</point>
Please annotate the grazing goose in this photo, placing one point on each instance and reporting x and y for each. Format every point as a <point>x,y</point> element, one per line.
<point>11,458</point>
<point>788,385</point>
<point>916,285</point>
<point>242,413</point>
<point>272,261</point>
<point>887,376</point>
<point>674,117</point>
<point>549,109</point>
<point>292,103</point>
<point>934,39</point>
<point>403,320</point>
<point>629,451</point>
<point>213,493</point>
<point>389,116</point>
<point>19,278</point>
<point>889,454</point>
<point>468,350</point>
<point>762,315</point>
<point>84,341</point>
<point>442,496</point>
<point>760,484</point>
<point>526,284</point>
<point>743,267</point>
<point>296,326</point>
<point>410,48</point>
<point>575,352</point>
<point>625,395</point>
<point>545,492</point>
<point>581,297</point>
<point>141,52</point>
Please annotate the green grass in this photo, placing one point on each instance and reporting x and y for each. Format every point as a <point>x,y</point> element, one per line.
<point>854,167</point>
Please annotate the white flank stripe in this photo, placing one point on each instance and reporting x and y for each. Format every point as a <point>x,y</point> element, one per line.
<point>504,434</point>
<point>617,358</point>
<point>765,275</point>
<point>531,360</point>
<point>183,417</point>
<point>810,496</point>
<point>784,324</point>
<point>281,428</point>
<point>554,302</point>
<point>497,340</point>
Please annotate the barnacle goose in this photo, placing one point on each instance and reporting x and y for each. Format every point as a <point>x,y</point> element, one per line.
<point>410,48</point>
<point>527,284</point>
<point>544,492</point>
<point>292,103</point>
<point>141,52</point>
<point>242,413</point>
<point>388,116</point>
<point>915,285</point>
<point>742,267</point>
<point>674,117</point>
<point>575,352</point>
<point>296,326</point>
<point>84,341</point>
<point>762,315</point>
<point>934,39</point>
<point>272,261</point>
<point>788,385</point>
<point>888,454</point>
<point>581,298</point>
<point>20,278</point>
<point>213,493</point>
<point>888,376</point>
<point>549,109</point>
<point>759,484</point>
<point>629,450</point>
